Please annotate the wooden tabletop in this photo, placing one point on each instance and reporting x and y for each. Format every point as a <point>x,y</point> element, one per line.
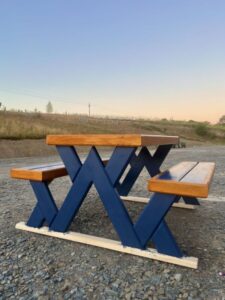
<point>126,140</point>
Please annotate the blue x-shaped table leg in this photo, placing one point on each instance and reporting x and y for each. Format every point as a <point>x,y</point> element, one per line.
<point>149,226</point>
<point>137,163</point>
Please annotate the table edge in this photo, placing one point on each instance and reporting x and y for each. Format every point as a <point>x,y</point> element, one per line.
<point>126,140</point>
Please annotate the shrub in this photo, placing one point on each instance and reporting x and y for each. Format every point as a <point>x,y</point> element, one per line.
<point>202,130</point>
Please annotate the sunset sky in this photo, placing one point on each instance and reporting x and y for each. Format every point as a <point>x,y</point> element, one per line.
<point>156,59</point>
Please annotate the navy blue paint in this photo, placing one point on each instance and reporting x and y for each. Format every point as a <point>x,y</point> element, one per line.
<point>71,160</point>
<point>177,199</point>
<point>165,242</point>
<point>150,225</point>
<point>115,169</point>
<point>138,162</point>
<point>187,200</point>
<point>37,218</point>
<point>193,201</point>
<point>73,201</point>
<point>152,216</point>
<point>93,171</point>
<point>114,206</point>
<point>45,208</point>
<point>160,155</point>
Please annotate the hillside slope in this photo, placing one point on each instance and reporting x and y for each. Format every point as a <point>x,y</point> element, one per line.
<point>14,125</point>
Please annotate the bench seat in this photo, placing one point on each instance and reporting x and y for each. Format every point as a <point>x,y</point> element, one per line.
<point>40,173</point>
<point>190,179</point>
<point>45,172</point>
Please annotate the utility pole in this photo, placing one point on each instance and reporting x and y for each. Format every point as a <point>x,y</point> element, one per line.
<point>89,109</point>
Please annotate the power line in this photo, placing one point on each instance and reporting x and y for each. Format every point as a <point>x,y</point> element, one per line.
<point>31,94</point>
<point>61,100</point>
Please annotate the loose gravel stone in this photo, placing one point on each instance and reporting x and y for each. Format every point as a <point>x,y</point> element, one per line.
<point>178,277</point>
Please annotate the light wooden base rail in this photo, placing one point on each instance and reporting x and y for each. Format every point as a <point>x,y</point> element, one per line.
<point>190,262</point>
<point>145,200</point>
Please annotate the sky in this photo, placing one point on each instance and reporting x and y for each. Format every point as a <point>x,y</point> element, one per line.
<point>152,59</point>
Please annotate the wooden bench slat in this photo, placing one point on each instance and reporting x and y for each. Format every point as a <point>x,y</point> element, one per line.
<point>43,167</point>
<point>48,168</point>
<point>195,183</point>
<point>42,172</point>
<point>34,167</point>
<point>177,172</point>
<point>201,174</point>
<point>200,178</point>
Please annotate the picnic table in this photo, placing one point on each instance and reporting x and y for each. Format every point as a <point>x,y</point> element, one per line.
<point>187,179</point>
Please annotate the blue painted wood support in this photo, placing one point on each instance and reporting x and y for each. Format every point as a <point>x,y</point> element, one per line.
<point>138,162</point>
<point>37,218</point>
<point>114,169</point>
<point>165,242</point>
<point>149,226</point>
<point>93,171</point>
<point>136,166</point>
<point>46,209</point>
<point>177,199</point>
<point>71,160</point>
<point>114,206</point>
<point>72,164</point>
<point>152,216</point>
<point>193,201</point>
<point>72,201</point>
<point>188,200</point>
<point>159,156</point>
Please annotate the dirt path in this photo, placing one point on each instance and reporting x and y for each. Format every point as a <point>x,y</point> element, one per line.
<point>24,148</point>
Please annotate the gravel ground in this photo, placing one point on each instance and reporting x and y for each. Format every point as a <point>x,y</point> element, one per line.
<point>37,267</point>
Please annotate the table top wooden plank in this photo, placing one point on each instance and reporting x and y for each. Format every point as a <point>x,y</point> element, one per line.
<point>126,140</point>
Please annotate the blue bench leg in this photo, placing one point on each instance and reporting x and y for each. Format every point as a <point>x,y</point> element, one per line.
<point>165,242</point>
<point>151,225</point>
<point>188,200</point>
<point>46,209</point>
<point>36,219</point>
<point>192,201</point>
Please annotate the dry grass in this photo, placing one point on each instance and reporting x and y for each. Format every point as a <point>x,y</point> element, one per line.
<point>15,125</point>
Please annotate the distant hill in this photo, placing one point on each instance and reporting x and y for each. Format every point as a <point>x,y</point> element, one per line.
<point>19,125</point>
